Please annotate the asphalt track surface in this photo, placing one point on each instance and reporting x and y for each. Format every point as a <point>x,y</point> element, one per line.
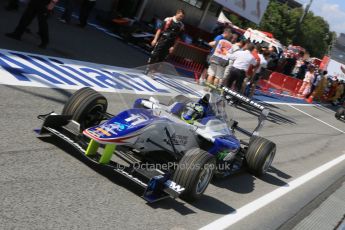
<point>45,186</point>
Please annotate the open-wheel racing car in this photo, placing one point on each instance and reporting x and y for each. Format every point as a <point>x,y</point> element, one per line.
<point>170,150</point>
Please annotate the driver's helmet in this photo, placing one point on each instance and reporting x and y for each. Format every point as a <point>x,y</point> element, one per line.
<point>194,111</point>
<point>205,100</point>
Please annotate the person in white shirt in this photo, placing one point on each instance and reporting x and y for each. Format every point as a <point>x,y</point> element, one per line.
<point>242,61</point>
<point>264,57</point>
<point>236,47</point>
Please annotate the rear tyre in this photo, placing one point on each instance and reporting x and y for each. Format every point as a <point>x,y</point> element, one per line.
<point>86,106</point>
<point>260,155</point>
<point>194,172</point>
<point>340,112</point>
<point>179,98</point>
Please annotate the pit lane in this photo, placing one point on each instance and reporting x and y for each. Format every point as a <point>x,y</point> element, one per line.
<point>44,185</point>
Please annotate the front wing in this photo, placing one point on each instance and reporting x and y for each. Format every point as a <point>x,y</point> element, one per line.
<point>157,184</point>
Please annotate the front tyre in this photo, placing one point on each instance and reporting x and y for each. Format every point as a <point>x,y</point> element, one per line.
<point>86,106</point>
<point>260,155</point>
<point>194,172</point>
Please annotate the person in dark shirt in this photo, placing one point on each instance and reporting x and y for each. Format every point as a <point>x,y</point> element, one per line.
<point>166,37</point>
<point>302,70</point>
<point>39,9</point>
<point>274,59</point>
<point>290,63</point>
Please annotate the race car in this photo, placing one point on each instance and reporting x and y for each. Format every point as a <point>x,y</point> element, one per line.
<point>171,150</point>
<point>340,113</point>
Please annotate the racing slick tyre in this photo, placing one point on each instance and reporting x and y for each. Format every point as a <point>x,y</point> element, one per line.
<point>340,112</point>
<point>86,106</point>
<point>69,103</point>
<point>194,172</point>
<point>260,155</point>
<point>179,98</point>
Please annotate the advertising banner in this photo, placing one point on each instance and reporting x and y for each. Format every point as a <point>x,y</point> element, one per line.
<point>32,70</point>
<point>253,10</point>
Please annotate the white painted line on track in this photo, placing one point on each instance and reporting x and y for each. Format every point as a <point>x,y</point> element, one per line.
<point>317,119</point>
<point>323,106</point>
<point>286,103</point>
<point>232,218</point>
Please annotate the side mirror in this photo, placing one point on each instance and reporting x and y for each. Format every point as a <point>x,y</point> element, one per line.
<point>154,100</point>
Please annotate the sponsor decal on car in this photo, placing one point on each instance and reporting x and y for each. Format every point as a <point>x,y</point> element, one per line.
<point>242,98</point>
<point>174,186</point>
<point>105,132</point>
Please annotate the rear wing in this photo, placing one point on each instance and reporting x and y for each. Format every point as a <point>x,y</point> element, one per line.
<point>231,96</point>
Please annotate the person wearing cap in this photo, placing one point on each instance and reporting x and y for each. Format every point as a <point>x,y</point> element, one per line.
<point>218,59</point>
<point>226,33</point>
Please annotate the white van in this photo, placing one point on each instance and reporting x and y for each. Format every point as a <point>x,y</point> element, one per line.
<point>257,36</point>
